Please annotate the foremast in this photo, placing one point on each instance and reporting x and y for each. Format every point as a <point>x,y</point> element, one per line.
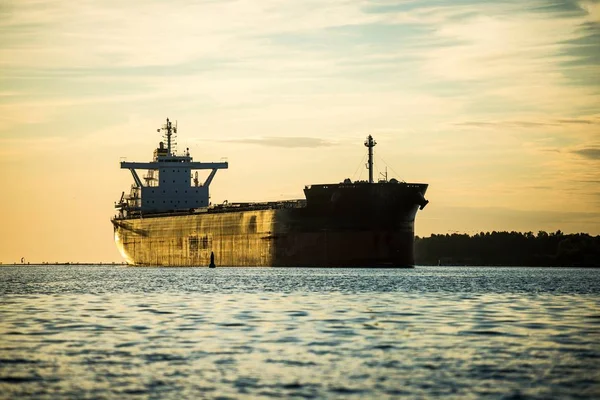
<point>370,143</point>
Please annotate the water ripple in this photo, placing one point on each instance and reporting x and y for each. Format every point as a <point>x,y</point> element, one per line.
<point>112,332</point>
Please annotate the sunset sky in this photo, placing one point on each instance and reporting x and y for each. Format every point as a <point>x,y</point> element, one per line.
<point>495,104</point>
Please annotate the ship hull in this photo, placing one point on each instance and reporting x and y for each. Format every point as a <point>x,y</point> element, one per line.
<point>343,225</point>
<point>271,238</point>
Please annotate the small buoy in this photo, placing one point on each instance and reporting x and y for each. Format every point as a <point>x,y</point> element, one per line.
<point>212,260</point>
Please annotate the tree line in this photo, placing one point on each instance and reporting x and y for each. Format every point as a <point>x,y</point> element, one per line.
<point>509,249</point>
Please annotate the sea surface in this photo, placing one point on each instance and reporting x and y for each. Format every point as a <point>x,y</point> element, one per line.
<point>97,331</point>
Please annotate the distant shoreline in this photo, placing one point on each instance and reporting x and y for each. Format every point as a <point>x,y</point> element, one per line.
<point>543,249</point>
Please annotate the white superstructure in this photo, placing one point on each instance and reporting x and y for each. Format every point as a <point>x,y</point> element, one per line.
<point>168,185</point>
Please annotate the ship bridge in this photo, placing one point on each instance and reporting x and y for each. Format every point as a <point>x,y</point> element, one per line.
<point>168,184</point>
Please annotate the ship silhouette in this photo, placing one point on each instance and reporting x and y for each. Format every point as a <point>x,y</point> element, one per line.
<point>167,219</point>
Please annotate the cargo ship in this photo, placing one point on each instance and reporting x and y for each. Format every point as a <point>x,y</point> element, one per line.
<point>167,219</point>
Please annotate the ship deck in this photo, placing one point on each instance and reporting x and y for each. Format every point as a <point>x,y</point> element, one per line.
<point>219,208</point>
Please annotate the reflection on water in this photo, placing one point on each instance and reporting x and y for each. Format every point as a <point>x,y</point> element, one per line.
<point>84,331</point>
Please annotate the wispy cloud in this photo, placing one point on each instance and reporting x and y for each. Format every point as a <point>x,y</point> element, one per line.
<point>591,153</point>
<point>526,124</point>
<point>578,121</point>
<point>288,142</point>
<point>504,124</point>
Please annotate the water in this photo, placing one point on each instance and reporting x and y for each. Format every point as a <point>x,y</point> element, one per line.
<point>114,332</point>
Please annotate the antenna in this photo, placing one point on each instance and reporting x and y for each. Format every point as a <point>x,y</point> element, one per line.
<point>383,175</point>
<point>168,128</point>
<point>174,141</point>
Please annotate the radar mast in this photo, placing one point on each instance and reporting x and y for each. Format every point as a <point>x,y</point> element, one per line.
<point>169,133</point>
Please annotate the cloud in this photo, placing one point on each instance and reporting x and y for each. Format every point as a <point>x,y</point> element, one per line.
<point>509,124</point>
<point>287,142</point>
<point>591,153</point>
<point>576,121</point>
<point>589,181</point>
<point>526,124</point>
<point>592,8</point>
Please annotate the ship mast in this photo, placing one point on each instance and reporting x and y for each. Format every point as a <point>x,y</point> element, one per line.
<point>169,131</point>
<point>370,143</point>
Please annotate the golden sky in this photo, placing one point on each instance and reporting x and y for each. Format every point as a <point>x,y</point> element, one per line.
<point>495,104</point>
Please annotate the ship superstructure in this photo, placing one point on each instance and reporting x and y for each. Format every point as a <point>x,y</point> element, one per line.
<point>168,220</point>
<point>169,184</point>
